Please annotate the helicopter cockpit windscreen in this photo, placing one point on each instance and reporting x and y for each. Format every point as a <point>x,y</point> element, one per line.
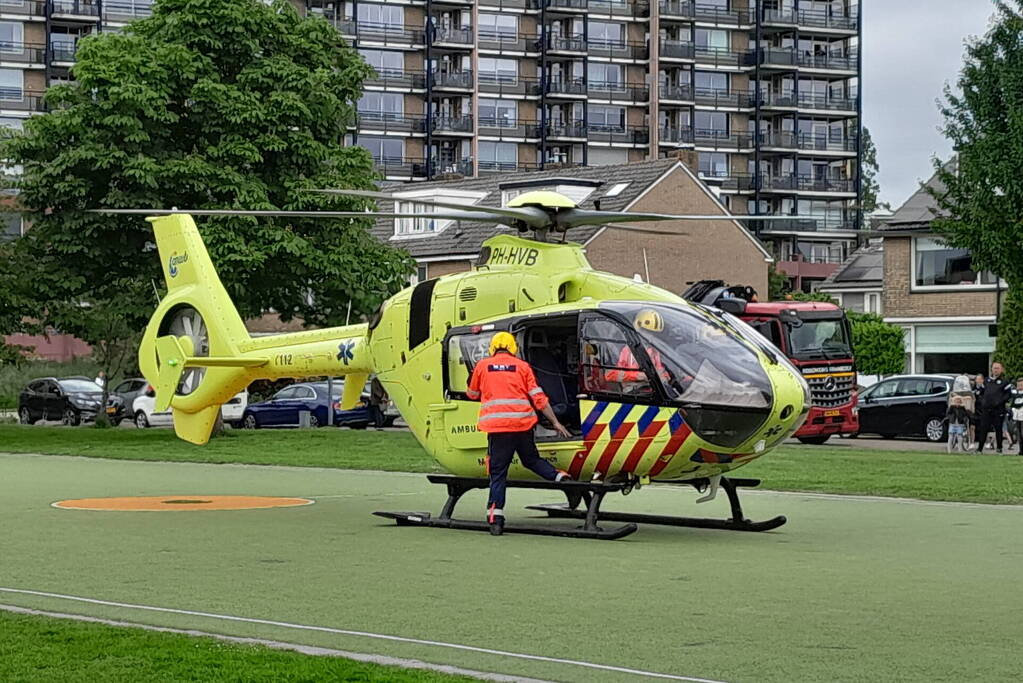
<point>701,364</point>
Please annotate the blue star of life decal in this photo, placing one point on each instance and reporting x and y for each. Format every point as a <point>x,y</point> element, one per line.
<point>346,351</point>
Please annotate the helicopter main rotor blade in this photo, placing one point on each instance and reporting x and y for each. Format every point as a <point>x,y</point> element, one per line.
<point>576,217</point>
<point>536,218</point>
<point>645,231</point>
<point>478,217</point>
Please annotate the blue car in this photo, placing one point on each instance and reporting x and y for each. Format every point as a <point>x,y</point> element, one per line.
<point>283,409</point>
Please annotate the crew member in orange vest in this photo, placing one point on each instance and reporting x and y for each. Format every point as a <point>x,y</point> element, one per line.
<point>627,369</point>
<point>510,397</point>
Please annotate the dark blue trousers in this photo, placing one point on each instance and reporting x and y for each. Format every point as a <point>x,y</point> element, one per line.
<point>501,448</point>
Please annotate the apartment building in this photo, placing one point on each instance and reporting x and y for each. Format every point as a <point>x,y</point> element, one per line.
<point>38,42</point>
<point>767,95</point>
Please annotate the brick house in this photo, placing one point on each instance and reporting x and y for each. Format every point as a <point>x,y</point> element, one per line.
<point>858,284</point>
<point>694,250</point>
<point>933,292</point>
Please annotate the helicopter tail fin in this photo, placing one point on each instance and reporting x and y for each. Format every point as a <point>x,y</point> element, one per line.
<point>197,353</point>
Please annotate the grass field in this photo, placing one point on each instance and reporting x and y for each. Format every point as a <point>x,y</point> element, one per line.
<point>826,469</point>
<point>37,649</point>
<point>851,589</point>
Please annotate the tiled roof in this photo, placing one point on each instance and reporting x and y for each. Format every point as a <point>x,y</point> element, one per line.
<point>919,210</point>
<point>466,237</point>
<point>864,268</point>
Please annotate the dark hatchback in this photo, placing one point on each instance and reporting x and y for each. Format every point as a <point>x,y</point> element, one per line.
<point>906,405</point>
<point>71,400</point>
<point>283,409</point>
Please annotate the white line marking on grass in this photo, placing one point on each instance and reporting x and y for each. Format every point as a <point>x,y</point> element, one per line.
<point>364,495</point>
<point>280,645</point>
<point>362,634</point>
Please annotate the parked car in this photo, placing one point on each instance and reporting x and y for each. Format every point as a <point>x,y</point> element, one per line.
<point>906,405</point>
<point>145,415</point>
<point>72,400</point>
<point>130,389</point>
<point>284,407</point>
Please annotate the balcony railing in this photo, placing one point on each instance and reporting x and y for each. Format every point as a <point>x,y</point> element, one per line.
<point>720,97</point>
<point>619,50</point>
<point>573,43</point>
<point>402,167</point>
<point>496,126</point>
<point>623,8</point>
<point>813,18</point>
<point>382,33</point>
<point>17,99</point>
<point>509,42</point>
<point>125,11</point>
<point>719,56</point>
<point>461,167</point>
<point>22,53</point>
<point>681,136</point>
<point>809,225</point>
<point>461,80</point>
<point>633,135</point>
<point>391,122</point>
<point>677,49</point>
<point>808,100</point>
<point>494,84</point>
<point>720,139</point>
<point>792,57</point>
<point>618,92</point>
<point>806,141</point>
<point>569,129</point>
<point>683,93</point>
<point>397,78</point>
<point>451,124</point>
<point>25,8</point>
<point>572,86</point>
<point>509,4</point>
<point>695,11</point>
<point>63,52</point>
<point>508,166</point>
<point>452,35</point>
<point>78,8</point>
<point>795,183</point>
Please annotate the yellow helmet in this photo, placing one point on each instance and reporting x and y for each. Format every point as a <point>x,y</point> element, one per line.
<point>503,340</point>
<point>649,319</point>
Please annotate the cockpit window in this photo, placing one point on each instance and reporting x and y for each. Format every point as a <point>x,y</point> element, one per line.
<point>608,365</point>
<point>703,364</point>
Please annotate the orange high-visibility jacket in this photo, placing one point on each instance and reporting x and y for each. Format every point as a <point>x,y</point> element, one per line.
<point>509,394</point>
<point>627,369</point>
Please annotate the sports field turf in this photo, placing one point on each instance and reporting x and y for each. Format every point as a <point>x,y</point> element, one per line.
<point>840,468</point>
<point>850,589</point>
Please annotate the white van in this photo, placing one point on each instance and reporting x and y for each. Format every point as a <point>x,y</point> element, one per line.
<point>144,413</point>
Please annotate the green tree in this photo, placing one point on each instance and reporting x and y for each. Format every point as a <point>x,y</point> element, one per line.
<point>878,347</point>
<point>206,104</point>
<point>823,297</point>
<point>982,198</point>
<point>871,188</point>
<point>777,283</point>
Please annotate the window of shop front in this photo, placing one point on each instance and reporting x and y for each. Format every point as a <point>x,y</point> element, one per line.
<point>937,265</point>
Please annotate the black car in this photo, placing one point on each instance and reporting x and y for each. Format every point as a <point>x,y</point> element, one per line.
<point>71,400</point>
<point>906,405</point>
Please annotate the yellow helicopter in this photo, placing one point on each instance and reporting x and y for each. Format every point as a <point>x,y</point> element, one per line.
<point>718,397</point>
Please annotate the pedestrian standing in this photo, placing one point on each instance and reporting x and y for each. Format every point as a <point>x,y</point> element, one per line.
<point>510,396</point>
<point>1016,413</point>
<point>994,394</point>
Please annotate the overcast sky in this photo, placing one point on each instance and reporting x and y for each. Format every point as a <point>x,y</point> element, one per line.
<point>911,49</point>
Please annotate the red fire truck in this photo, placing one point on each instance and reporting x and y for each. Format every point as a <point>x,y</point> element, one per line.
<point>814,336</point>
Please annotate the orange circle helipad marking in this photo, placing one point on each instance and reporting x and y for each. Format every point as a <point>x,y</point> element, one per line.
<point>177,503</point>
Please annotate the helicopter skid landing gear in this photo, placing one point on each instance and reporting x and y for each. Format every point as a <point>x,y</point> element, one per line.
<point>592,493</point>
<point>737,522</point>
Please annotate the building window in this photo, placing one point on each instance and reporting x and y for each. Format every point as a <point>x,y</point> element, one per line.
<point>383,150</point>
<point>714,164</point>
<point>605,34</point>
<point>712,39</point>
<point>381,15</point>
<point>713,123</point>
<point>498,26</point>
<point>387,63</point>
<point>12,36</point>
<point>11,226</point>
<point>710,80</point>
<point>498,113</point>
<point>599,73</point>
<point>12,84</point>
<point>498,156</point>
<point>605,118</point>
<point>418,227</point>
<point>939,265</point>
<point>494,70</point>
<point>381,106</point>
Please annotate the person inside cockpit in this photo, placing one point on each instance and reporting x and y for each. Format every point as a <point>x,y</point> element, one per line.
<point>627,371</point>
